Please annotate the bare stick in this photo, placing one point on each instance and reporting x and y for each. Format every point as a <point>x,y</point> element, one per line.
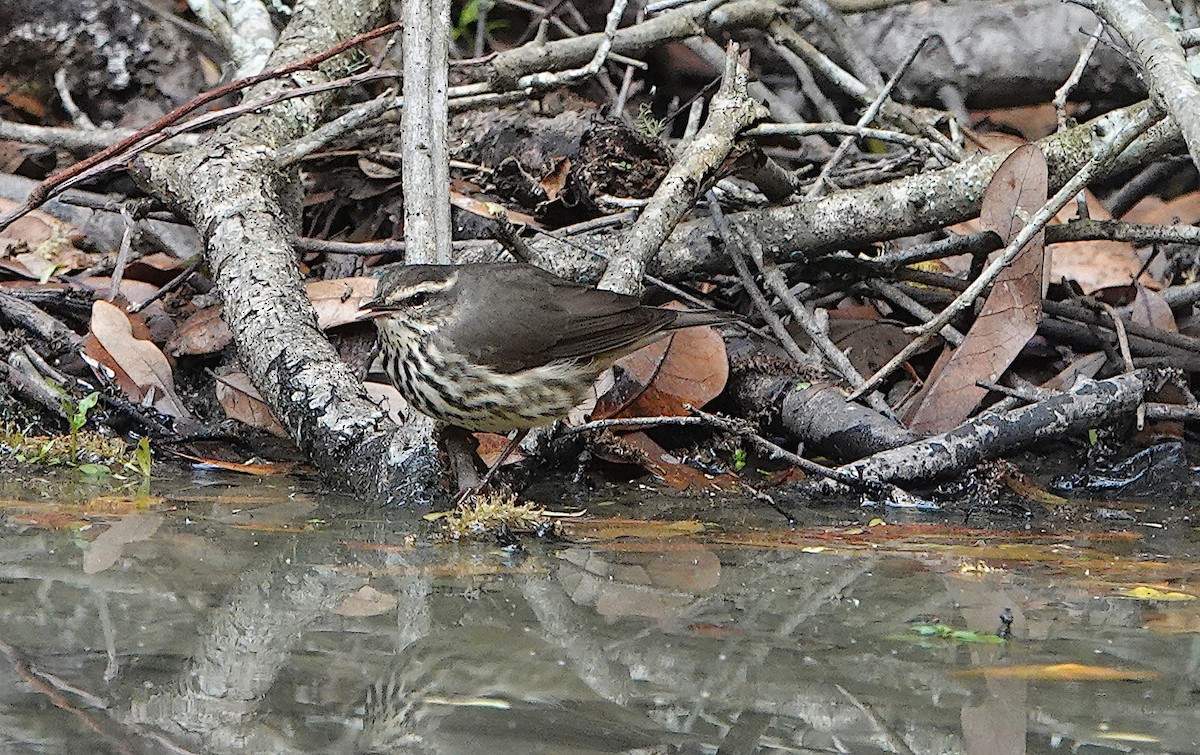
<point>731,110</point>
<point>1064,91</point>
<point>1172,85</point>
<point>737,256</point>
<point>426,167</point>
<point>818,187</point>
<point>743,429</point>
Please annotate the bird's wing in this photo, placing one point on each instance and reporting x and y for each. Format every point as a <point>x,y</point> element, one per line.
<point>546,319</point>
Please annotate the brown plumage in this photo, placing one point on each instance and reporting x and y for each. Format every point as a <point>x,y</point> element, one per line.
<point>500,347</point>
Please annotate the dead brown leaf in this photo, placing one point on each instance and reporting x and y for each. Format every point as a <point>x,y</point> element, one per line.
<point>687,367</point>
<point>1032,121</point>
<point>1013,308</point>
<point>339,300</point>
<point>156,269</point>
<point>260,468</point>
<point>152,323</point>
<point>668,467</point>
<point>1184,209</point>
<point>40,243</point>
<point>486,209</point>
<point>491,445</point>
<point>205,332</point>
<point>242,402</point>
<point>139,368</point>
<point>554,181</point>
<point>1149,307</point>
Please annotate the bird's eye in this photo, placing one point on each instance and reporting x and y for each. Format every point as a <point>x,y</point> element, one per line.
<point>417,299</point>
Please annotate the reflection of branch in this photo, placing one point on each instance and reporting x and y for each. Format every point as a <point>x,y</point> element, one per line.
<point>557,617</point>
<point>248,643</point>
<point>52,686</point>
<point>892,738</point>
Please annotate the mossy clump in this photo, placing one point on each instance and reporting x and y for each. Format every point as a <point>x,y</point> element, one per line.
<point>496,515</point>
<point>89,452</point>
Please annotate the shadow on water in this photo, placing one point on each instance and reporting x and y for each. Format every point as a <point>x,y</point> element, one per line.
<point>258,616</point>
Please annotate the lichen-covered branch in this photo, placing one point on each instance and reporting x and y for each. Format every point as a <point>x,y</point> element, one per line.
<point>233,191</point>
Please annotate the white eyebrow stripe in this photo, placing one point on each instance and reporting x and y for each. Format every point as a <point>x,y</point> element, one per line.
<point>424,287</point>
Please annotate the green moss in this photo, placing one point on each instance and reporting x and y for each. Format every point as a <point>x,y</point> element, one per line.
<point>91,453</point>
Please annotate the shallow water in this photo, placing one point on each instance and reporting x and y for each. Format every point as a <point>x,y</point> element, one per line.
<point>234,614</point>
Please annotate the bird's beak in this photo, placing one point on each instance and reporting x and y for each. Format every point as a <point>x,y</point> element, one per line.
<point>369,310</point>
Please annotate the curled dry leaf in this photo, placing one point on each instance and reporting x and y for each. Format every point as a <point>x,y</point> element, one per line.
<point>688,367</point>
<point>242,402</point>
<point>491,445</point>
<point>138,367</point>
<point>555,181</point>
<point>252,467</point>
<point>486,209</point>
<point>39,243</point>
<point>156,269</point>
<point>1150,307</point>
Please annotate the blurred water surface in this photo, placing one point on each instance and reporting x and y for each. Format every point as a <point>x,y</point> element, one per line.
<point>236,614</point>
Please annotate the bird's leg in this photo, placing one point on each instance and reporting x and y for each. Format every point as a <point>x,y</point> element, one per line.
<point>509,447</point>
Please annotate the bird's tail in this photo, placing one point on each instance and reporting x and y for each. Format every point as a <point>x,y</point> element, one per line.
<point>690,318</point>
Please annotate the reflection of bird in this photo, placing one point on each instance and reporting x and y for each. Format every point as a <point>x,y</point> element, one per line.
<point>487,690</point>
<point>505,347</point>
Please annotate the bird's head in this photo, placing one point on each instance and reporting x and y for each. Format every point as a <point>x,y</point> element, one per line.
<point>415,296</point>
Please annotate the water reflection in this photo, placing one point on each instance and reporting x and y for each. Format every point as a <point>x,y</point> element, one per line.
<point>258,617</point>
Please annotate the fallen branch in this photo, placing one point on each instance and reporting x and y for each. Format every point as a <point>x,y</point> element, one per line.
<point>246,208</point>
<point>1089,404</point>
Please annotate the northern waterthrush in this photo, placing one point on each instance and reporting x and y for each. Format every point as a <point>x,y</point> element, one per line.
<point>501,347</point>
<point>496,690</point>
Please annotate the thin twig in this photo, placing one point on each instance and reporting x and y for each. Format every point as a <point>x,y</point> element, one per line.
<point>737,256</point>
<point>743,429</point>
<point>170,285</point>
<point>1064,91</point>
<point>818,187</point>
<point>59,181</point>
<point>639,422</point>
